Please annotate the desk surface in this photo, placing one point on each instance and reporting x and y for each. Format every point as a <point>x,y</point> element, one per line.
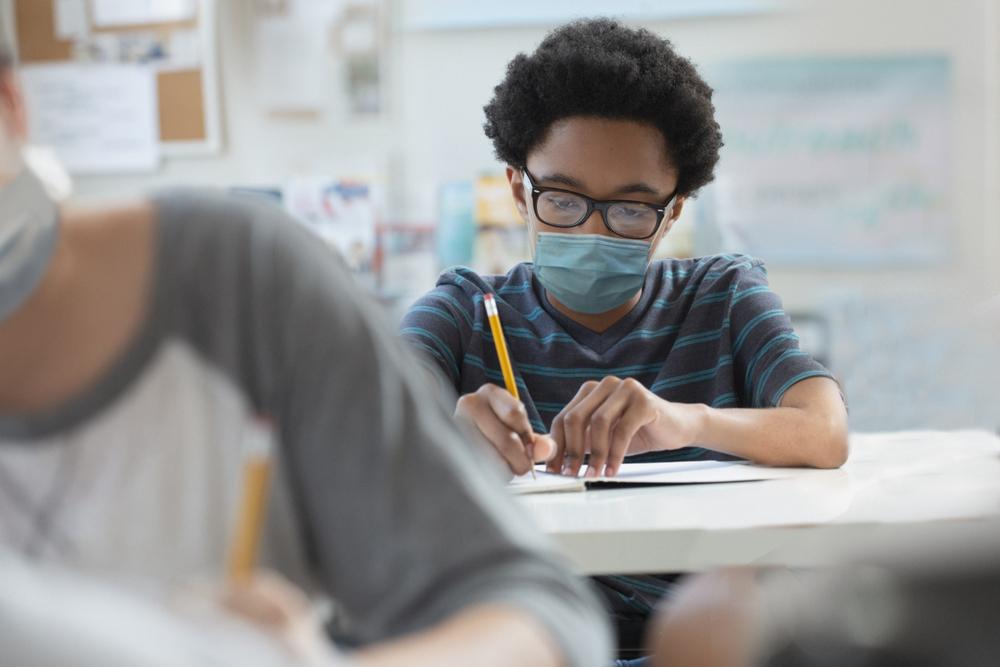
<point>894,487</point>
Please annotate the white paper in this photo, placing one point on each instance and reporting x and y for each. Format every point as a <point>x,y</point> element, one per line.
<point>70,19</point>
<point>96,118</point>
<point>291,63</point>
<point>544,482</point>
<point>671,472</point>
<point>111,13</point>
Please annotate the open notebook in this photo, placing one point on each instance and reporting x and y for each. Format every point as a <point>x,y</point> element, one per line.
<point>651,474</point>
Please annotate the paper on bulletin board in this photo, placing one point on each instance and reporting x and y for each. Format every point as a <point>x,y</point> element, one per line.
<point>97,119</point>
<point>836,161</point>
<point>70,18</point>
<point>292,59</point>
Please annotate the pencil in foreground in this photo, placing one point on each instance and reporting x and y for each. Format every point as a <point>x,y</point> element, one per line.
<point>250,521</point>
<point>493,315</point>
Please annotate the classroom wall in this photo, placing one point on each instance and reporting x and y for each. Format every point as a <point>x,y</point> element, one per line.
<point>886,322</point>
<point>903,344</point>
<point>441,133</point>
<point>439,80</point>
<point>261,149</point>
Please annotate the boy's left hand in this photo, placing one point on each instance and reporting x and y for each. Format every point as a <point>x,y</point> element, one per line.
<point>615,417</point>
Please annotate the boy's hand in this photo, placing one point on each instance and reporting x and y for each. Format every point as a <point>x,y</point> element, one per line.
<point>615,417</point>
<point>503,421</point>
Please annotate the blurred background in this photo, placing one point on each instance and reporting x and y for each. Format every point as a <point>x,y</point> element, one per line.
<point>862,157</point>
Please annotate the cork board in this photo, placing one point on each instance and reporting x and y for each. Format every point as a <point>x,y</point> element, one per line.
<point>182,93</point>
<point>35,23</point>
<point>181,104</point>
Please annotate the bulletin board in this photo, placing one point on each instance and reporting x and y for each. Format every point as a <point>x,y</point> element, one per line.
<point>186,86</point>
<point>835,161</point>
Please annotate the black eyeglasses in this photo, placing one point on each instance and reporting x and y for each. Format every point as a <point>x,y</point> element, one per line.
<point>565,208</point>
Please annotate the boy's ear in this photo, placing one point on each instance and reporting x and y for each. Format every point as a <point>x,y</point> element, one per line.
<point>516,180</point>
<point>673,213</point>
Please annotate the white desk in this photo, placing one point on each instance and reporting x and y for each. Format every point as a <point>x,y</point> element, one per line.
<point>894,487</point>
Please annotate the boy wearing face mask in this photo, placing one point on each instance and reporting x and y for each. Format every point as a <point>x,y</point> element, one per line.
<point>606,132</point>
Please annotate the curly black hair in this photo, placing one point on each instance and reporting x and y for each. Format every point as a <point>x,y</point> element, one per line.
<point>599,67</point>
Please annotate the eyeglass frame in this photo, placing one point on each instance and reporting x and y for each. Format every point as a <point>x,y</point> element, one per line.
<point>601,205</point>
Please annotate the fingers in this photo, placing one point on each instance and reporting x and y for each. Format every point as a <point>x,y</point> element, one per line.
<point>507,443</point>
<point>564,456</point>
<point>504,423</point>
<point>283,612</point>
<point>601,420</point>
<point>543,447</point>
<point>510,411</point>
<point>639,412</point>
<point>576,422</point>
<point>267,600</point>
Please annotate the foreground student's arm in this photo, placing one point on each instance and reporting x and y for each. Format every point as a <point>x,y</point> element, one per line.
<point>406,527</point>
<point>486,636</point>
<point>924,603</point>
<point>614,418</point>
<point>483,635</point>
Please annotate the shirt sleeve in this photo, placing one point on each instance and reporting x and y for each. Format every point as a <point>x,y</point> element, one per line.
<point>437,324</point>
<point>766,357</point>
<point>405,522</point>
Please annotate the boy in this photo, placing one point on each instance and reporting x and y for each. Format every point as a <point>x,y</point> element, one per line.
<point>606,132</point>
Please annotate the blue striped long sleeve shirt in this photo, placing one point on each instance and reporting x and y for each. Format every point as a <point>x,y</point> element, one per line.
<point>707,330</point>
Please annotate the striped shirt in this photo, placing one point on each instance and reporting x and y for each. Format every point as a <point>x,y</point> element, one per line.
<point>706,330</point>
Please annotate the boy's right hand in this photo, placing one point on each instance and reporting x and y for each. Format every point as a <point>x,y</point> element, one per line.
<point>504,423</point>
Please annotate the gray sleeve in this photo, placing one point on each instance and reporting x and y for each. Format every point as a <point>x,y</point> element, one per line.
<point>405,522</point>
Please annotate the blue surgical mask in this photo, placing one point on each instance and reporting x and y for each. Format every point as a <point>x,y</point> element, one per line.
<point>590,273</point>
<point>29,221</point>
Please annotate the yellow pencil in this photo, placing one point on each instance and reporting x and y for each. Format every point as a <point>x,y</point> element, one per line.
<point>250,521</point>
<point>505,366</point>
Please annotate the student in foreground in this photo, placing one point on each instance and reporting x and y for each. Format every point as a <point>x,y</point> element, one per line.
<point>606,132</point>
<point>929,601</point>
<point>144,346</point>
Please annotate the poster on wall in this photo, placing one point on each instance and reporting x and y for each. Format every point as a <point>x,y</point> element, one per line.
<point>835,161</point>
<point>99,119</point>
